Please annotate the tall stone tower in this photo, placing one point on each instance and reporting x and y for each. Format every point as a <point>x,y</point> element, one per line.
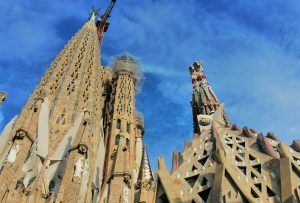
<point>224,163</point>
<point>124,128</point>
<point>79,136</point>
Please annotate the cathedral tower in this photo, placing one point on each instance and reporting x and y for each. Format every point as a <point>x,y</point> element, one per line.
<point>62,114</point>
<point>124,127</point>
<point>60,147</point>
<point>225,163</point>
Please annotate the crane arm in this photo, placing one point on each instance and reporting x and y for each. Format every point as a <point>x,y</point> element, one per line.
<point>106,15</point>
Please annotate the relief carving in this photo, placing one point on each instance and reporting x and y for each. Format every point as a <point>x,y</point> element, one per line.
<point>78,168</point>
<point>13,153</point>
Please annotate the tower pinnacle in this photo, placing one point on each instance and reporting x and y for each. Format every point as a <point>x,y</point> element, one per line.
<point>93,14</point>
<point>225,163</point>
<point>204,101</point>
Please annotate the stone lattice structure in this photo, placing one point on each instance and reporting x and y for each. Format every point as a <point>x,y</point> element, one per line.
<point>79,136</point>
<point>227,164</point>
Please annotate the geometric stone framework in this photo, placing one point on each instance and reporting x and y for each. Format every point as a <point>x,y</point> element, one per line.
<point>226,164</point>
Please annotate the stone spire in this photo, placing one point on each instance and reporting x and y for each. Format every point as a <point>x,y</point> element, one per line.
<point>120,177</point>
<point>145,173</point>
<point>204,100</point>
<point>62,115</point>
<point>227,164</point>
<point>93,14</point>
<point>124,125</point>
<point>79,136</point>
<point>146,180</point>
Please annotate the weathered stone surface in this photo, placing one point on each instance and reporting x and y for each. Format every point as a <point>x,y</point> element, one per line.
<point>79,137</point>
<point>225,164</point>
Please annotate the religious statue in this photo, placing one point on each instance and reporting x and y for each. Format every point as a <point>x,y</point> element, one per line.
<point>78,167</point>
<point>13,153</point>
<point>125,194</point>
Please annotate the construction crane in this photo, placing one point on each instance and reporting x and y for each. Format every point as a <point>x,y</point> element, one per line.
<point>102,23</point>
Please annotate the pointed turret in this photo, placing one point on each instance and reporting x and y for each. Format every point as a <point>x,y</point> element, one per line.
<point>120,177</point>
<point>204,100</point>
<point>145,180</point>
<point>121,164</point>
<point>123,123</point>
<point>54,122</point>
<point>79,137</point>
<point>227,164</point>
<point>145,169</point>
<point>176,160</point>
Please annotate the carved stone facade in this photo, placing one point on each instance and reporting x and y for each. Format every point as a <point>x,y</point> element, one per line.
<point>78,138</point>
<point>225,163</point>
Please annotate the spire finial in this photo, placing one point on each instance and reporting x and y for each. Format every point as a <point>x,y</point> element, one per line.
<point>93,13</point>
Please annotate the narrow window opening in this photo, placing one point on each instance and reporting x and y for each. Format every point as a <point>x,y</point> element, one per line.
<point>254,194</point>
<point>270,192</point>
<point>119,124</point>
<point>128,127</point>
<point>117,140</point>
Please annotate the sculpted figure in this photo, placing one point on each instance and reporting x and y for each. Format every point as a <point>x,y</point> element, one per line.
<point>78,167</point>
<point>13,153</point>
<point>125,193</point>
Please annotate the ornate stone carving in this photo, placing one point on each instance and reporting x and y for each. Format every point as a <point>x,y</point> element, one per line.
<point>126,178</point>
<point>267,147</point>
<point>78,167</point>
<point>149,185</point>
<point>82,149</point>
<point>113,155</point>
<point>21,187</point>
<point>41,94</point>
<point>20,134</point>
<point>125,194</point>
<point>13,153</point>
<point>248,133</point>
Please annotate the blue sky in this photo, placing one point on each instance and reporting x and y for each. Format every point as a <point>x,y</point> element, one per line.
<point>250,50</point>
